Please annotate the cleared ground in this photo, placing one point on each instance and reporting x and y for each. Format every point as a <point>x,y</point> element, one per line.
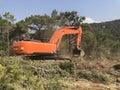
<point>86,73</point>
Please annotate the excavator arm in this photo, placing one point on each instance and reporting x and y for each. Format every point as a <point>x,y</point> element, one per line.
<point>57,36</point>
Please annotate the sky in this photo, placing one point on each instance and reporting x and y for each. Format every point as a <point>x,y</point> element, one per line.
<point>94,10</point>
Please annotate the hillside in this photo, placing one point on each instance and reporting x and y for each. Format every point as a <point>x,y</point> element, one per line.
<point>110,27</point>
<point>102,39</point>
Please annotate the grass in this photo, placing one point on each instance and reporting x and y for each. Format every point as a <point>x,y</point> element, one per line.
<point>94,76</point>
<point>19,74</point>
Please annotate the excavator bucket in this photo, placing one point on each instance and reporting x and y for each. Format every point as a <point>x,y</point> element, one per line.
<point>78,52</point>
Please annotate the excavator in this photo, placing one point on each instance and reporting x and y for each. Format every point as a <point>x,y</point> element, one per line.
<point>26,47</point>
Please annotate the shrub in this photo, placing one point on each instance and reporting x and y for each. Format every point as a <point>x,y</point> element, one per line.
<point>67,66</point>
<point>94,76</point>
<point>54,86</point>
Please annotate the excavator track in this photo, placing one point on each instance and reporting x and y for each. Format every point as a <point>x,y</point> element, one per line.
<point>76,54</point>
<point>41,57</point>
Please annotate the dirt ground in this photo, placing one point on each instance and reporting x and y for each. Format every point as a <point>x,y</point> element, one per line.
<point>87,85</point>
<point>110,67</point>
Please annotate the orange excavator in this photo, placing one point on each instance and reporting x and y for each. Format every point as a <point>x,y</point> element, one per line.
<point>35,47</point>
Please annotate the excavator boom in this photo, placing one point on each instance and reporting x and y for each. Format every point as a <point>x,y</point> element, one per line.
<point>57,36</point>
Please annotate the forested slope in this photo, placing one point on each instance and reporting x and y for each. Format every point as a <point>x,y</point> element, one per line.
<point>102,38</point>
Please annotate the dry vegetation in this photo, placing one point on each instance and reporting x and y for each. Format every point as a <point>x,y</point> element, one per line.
<point>80,74</point>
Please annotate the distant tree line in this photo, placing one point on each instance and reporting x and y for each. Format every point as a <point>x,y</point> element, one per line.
<point>98,39</point>
<point>102,39</point>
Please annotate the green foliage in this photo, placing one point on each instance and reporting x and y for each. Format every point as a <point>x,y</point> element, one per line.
<point>54,85</point>
<point>16,73</point>
<point>54,14</point>
<point>19,74</point>
<point>71,18</point>
<point>94,76</point>
<point>101,39</point>
<point>9,17</point>
<point>88,42</point>
<point>6,27</point>
<point>67,66</point>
